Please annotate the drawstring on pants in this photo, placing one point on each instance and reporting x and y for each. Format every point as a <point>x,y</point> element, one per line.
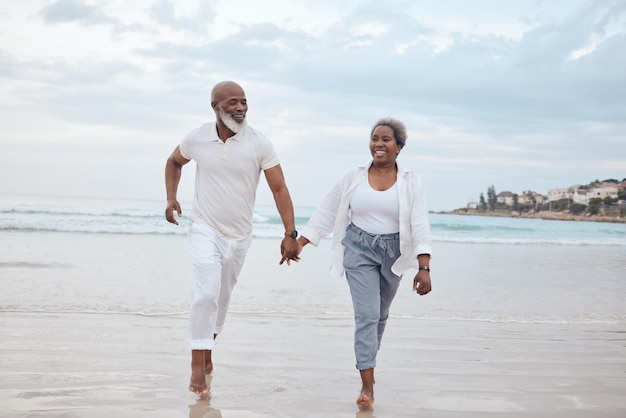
<point>381,243</point>
<point>379,240</point>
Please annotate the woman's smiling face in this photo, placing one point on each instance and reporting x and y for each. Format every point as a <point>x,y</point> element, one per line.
<point>383,145</point>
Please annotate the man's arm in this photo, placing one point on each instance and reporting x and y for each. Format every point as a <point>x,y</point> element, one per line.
<point>276,181</point>
<point>173,171</point>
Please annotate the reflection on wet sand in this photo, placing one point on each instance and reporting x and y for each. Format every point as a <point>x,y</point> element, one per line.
<point>202,408</point>
<point>365,412</point>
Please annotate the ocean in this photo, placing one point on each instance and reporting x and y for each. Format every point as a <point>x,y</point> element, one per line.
<point>120,256</point>
<point>146,217</point>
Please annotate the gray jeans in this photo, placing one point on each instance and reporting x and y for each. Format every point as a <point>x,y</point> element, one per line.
<point>367,262</point>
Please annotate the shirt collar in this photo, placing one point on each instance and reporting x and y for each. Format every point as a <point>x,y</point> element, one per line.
<point>215,137</point>
<point>401,169</point>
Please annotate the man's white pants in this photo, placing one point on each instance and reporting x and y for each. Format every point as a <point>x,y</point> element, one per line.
<point>217,262</point>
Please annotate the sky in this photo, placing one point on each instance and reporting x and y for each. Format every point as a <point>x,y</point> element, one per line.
<point>518,94</point>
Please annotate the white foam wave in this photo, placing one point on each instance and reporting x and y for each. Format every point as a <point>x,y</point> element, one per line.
<point>324,314</point>
<point>529,241</point>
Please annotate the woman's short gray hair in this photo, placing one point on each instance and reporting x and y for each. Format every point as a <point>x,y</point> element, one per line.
<point>398,128</point>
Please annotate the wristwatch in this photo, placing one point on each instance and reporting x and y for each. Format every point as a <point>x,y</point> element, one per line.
<point>424,268</point>
<point>293,234</point>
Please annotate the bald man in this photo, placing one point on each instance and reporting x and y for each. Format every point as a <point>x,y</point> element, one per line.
<point>230,156</point>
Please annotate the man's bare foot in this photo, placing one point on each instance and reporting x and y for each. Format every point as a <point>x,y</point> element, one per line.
<point>197,383</point>
<point>208,363</point>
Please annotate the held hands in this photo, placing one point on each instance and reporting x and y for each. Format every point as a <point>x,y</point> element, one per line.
<point>421,282</point>
<point>300,242</point>
<point>172,205</point>
<point>290,250</point>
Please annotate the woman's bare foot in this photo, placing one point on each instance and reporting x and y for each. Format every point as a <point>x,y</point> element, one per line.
<point>366,398</point>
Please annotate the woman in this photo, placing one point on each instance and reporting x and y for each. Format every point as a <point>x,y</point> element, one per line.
<point>377,214</point>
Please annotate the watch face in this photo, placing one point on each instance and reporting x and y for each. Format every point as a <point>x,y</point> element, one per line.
<point>294,234</point>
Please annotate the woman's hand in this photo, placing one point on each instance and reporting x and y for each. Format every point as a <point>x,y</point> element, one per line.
<point>302,241</point>
<point>421,282</point>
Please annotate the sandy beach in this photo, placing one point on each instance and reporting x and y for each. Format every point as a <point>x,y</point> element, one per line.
<point>127,356</point>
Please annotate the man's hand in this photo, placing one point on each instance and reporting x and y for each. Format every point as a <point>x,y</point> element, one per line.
<point>421,282</point>
<point>172,205</point>
<point>289,250</point>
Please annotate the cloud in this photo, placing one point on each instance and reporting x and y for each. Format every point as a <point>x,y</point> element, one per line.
<point>64,11</point>
<point>483,78</point>
<point>165,13</point>
<point>489,80</point>
<point>517,90</point>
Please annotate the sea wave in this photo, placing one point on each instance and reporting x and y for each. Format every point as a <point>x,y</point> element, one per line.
<point>124,218</point>
<point>324,314</point>
<point>270,231</point>
<point>530,241</point>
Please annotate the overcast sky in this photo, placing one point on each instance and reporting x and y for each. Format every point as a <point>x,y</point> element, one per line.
<point>521,94</point>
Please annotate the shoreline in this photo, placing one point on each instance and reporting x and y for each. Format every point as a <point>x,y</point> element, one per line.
<point>517,331</point>
<point>489,375</point>
<point>553,216</point>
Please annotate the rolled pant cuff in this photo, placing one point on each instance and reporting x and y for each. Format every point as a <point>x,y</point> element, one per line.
<point>201,344</point>
<point>366,365</point>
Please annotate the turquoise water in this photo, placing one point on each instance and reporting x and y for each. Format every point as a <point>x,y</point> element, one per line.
<point>502,230</point>
<point>115,216</point>
<point>112,256</point>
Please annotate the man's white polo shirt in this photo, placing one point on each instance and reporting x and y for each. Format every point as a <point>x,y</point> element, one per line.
<point>227,176</point>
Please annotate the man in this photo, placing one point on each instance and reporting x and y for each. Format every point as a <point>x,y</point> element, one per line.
<point>229,156</point>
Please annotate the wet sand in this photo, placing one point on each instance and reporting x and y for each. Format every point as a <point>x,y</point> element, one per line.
<point>59,360</point>
<point>104,365</point>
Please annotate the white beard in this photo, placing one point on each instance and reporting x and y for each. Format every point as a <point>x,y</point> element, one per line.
<point>231,123</point>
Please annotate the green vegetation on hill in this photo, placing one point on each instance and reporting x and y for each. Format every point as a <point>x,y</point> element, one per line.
<point>533,205</point>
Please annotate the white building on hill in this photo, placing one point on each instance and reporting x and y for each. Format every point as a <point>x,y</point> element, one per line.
<point>582,194</point>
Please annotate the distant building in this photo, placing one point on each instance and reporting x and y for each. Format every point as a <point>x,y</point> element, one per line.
<point>604,190</point>
<point>505,197</point>
<point>577,194</point>
<point>580,194</point>
<point>558,194</point>
<point>531,198</point>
